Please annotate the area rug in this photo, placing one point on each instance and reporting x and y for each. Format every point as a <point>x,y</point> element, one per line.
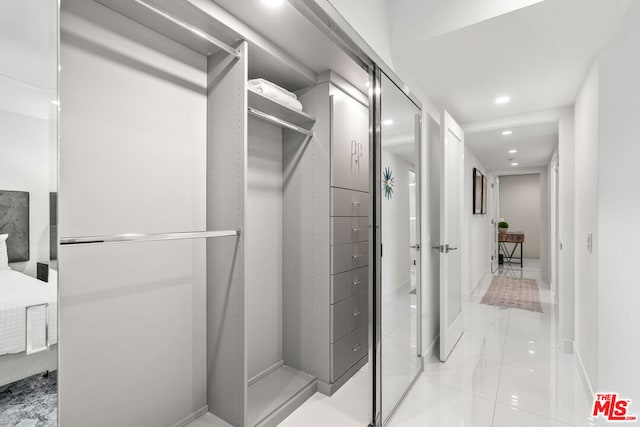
<point>513,293</point>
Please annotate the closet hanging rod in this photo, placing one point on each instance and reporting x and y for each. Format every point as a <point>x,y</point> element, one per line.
<point>151,237</point>
<point>198,32</point>
<point>274,119</point>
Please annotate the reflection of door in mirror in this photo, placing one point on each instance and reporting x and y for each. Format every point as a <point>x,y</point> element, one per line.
<point>28,237</point>
<point>400,206</point>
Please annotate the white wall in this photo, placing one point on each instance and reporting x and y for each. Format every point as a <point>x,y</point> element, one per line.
<point>586,219</point>
<point>618,225</point>
<point>370,18</point>
<point>520,207</point>
<point>395,226</point>
<point>476,251</point>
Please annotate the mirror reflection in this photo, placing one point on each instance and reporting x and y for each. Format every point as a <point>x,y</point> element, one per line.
<point>400,237</point>
<point>28,231</point>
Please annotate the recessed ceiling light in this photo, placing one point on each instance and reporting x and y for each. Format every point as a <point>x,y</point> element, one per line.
<point>387,122</point>
<point>513,151</point>
<point>507,132</point>
<point>273,3</point>
<point>514,164</point>
<point>503,99</point>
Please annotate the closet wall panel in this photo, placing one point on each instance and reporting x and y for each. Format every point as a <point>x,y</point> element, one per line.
<point>133,160</point>
<point>133,126</point>
<point>132,320</point>
<point>226,194</point>
<point>264,247</point>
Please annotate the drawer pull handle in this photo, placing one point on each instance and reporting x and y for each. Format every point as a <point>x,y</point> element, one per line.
<point>357,282</point>
<point>357,313</point>
<point>357,347</point>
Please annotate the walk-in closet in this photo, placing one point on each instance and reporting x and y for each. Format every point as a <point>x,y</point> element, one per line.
<point>215,214</point>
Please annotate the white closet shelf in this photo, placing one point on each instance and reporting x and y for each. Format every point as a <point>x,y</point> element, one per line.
<point>282,112</point>
<point>180,21</point>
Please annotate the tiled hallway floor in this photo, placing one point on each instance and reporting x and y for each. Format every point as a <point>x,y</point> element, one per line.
<point>504,372</point>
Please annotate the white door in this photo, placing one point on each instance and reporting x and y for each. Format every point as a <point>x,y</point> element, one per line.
<point>451,206</point>
<point>495,218</point>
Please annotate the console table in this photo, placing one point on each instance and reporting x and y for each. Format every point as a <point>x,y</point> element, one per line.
<point>515,237</point>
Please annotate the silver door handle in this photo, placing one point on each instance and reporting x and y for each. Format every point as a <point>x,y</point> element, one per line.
<point>453,249</point>
<point>357,347</point>
<point>355,230</point>
<point>354,147</point>
<point>359,149</point>
<point>417,247</point>
<point>358,313</point>
<point>357,282</point>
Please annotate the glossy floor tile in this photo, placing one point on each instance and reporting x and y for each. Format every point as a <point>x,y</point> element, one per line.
<point>506,371</point>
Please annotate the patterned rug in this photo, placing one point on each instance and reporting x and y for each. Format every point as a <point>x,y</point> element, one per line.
<point>31,402</point>
<point>513,293</point>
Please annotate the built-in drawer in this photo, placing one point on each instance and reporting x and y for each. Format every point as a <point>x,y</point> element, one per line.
<point>347,229</point>
<point>349,256</point>
<point>349,202</point>
<point>348,315</point>
<point>348,351</point>
<point>349,283</point>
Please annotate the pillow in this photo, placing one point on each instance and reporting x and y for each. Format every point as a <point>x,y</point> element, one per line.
<point>4,259</point>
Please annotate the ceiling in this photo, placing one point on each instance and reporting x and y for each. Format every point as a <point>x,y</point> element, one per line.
<point>537,54</point>
<point>535,145</point>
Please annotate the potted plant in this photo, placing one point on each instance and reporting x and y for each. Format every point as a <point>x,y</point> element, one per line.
<point>503,226</point>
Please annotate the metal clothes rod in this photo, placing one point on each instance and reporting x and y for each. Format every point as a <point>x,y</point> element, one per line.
<point>198,32</point>
<point>152,237</point>
<point>274,119</point>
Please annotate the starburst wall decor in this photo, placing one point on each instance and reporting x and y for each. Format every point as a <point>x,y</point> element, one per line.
<point>388,182</point>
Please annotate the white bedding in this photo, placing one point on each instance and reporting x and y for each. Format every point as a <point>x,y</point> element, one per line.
<point>18,291</point>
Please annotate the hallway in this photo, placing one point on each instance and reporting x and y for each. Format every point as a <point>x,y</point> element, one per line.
<point>504,372</point>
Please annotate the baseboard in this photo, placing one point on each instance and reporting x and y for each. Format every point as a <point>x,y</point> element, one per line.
<point>473,288</point>
<point>586,382</point>
<point>329,388</point>
<point>192,417</point>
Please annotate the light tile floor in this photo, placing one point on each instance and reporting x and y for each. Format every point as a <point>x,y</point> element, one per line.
<point>505,372</point>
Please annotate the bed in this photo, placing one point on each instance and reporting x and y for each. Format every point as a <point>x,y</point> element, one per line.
<point>28,313</point>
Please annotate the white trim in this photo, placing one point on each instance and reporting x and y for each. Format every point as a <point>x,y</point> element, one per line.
<point>588,387</point>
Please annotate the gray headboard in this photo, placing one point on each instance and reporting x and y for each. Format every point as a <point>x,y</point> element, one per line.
<point>14,221</point>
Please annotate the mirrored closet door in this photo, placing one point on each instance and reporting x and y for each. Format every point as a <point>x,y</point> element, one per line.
<point>28,212</point>
<point>399,280</point>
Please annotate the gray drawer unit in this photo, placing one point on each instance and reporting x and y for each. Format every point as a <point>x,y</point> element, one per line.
<point>348,351</point>
<point>348,315</point>
<point>349,283</point>
<point>349,230</point>
<point>349,203</point>
<point>348,257</point>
